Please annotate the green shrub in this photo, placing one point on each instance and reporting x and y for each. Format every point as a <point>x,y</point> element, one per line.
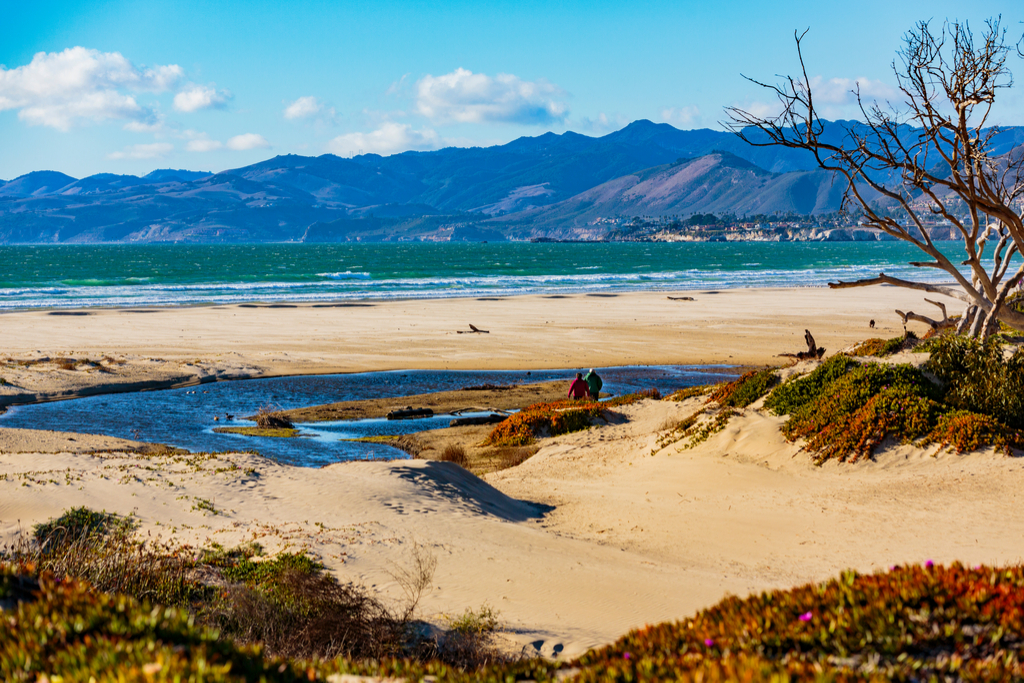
<point>789,396</point>
<point>880,348</point>
<point>75,524</point>
<point>746,389</point>
<point>979,377</point>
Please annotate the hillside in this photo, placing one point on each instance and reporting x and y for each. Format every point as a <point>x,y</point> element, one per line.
<point>717,182</point>
<point>546,186</point>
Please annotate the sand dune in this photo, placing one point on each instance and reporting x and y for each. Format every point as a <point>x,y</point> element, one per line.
<point>592,536</point>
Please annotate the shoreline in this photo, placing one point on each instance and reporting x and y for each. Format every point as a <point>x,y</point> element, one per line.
<point>122,349</point>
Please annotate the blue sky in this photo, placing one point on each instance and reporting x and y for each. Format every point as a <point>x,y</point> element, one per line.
<point>130,86</point>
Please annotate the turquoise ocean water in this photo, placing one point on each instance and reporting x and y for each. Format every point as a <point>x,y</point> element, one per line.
<point>64,276</point>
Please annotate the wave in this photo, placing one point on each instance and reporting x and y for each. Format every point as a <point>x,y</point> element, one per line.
<point>400,275</point>
<point>347,275</point>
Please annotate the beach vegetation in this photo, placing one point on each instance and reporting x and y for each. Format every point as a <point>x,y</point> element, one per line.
<point>746,389</point>
<point>629,399</point>
<point>981,376</point>
<point>800,391</point>
<point>455,453</point>
<point>545,419</point>
<point>513,456</point>
<point>880,348</point>
<point>273,433</point>
<point>930,153</point>
<point>913,622</point>
<point>846,410</point>
<point>269,418</point>
<point>691,392</point>
<point>286,605</point>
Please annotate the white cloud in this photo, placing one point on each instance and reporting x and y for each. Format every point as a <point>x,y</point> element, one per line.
<point>153,126</point>
<point>247,141</point>
<point>390,138</point>
<point>840,91</point>
<point>60,89</point>
<point>154,150</point>
<point>465,97</point>
<point>203,145</point>
<point>303,108</point>
<point>196,97</point>
<point>683,116</point>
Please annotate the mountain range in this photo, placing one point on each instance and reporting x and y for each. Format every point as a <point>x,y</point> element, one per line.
<point>555,186</point>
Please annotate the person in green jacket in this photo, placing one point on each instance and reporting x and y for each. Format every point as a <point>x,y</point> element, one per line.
<point>594,383</point>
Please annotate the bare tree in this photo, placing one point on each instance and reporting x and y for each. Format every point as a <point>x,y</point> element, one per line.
<point>929,157</point>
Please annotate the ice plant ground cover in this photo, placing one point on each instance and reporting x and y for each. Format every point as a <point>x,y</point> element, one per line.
<point>845,409</point>
<point>915,622</point>
<point>545,419</point>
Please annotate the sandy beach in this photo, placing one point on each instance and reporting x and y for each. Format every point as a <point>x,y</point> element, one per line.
<point>600,531</point>
<point>152,348</point>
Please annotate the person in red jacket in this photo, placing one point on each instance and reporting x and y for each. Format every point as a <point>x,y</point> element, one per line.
<point>579,388</point>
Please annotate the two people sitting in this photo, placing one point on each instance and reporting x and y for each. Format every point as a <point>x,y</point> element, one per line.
<point>584,387</point>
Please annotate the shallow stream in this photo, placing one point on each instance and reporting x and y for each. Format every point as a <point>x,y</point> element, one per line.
<point>185,417</point>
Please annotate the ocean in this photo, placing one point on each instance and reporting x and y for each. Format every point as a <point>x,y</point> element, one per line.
<point>72,276</point>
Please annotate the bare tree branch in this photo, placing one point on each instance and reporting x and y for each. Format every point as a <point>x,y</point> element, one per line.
<point>930,157</point>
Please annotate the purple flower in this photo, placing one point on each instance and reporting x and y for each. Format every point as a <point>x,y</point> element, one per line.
<point>626,655</point>
<point>709,642</point>
<point>806,616</point>
<point>929,564</point>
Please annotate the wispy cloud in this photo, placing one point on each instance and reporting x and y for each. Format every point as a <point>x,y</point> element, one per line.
<point>465,97</point>
<point>842,91</point>
<point>681,117</point>
<point>196,97</point>
<point>389,138</point>
<point>247,141</point>
<point>62,89</point>
<point>203,145</point>
<point>156,150</point>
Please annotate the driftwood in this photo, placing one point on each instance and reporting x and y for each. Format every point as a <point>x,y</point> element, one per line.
<point>410,413</point>
<point>493,418</point>
<point>681,298</point>
<point>473,329</point>
<point>934,324</point>
<point>812,352</point>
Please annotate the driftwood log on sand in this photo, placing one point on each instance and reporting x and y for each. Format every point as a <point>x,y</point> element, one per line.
<point>473,329</point>
<point>813,351</point>
<point>682,298</point>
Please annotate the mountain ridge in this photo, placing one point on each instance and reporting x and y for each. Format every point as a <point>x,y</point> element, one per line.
<point>548,186</point>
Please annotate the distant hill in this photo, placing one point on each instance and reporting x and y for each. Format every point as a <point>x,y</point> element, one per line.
<point>714,183</point>
<point>170,175</point>
<point>545,186</point>
<point>36,183</point>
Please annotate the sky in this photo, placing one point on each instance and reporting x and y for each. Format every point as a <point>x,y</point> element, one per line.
<point>129,86</point>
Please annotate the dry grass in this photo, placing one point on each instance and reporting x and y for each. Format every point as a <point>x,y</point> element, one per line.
<point>268,418</point>
<point>287,604</point>
<point>513,456</point>
<point>455,453</point>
